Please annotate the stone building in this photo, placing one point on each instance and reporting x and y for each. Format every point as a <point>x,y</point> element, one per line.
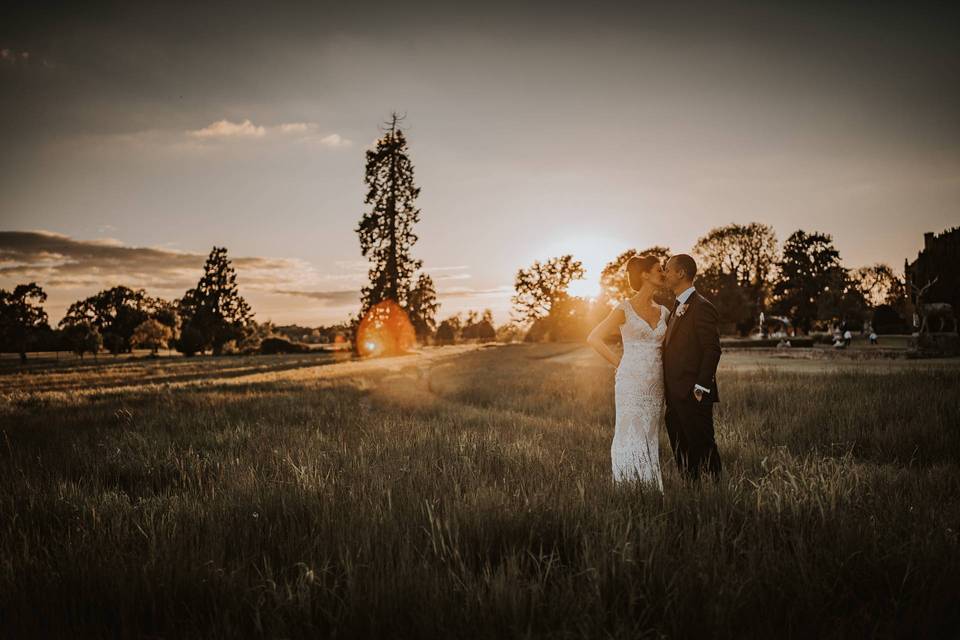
<point>940,259</point>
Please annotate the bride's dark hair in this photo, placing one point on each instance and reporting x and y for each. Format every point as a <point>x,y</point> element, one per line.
<point>637,266</point>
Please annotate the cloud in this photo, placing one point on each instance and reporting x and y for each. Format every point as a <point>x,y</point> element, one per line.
<point>469,292</point>
<point>334,140</point>
<point>299,131</point>
<point>56,260</point>
<point>227,129</point>
<point>336,297</point>
<point>297,127</point>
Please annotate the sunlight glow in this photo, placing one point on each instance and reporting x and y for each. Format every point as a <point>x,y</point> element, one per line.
<point>594,250</point>
<point>385,330</point>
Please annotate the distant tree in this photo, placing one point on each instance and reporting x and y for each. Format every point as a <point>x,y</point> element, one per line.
<point>446,333</point>
<point>614,284</point>
<point>886,319</point>
<point>569,319</point>
<point>456,323</point>
<point>543,285</point>
<point>151,334</point>
<point>191,341</point>
<point>806,270</point>
<point>386,230</point>
<point>83,337</point>
<point>214,309</point>
<point>22,316</point>
<point>479,326</point>
<point>254,333</point>
<point>730,298</point>
<point>742,256</point>
<point>841,302</point>
<point>879,285</point>
<point>116,312</point>
<point>166,313</point>
<point>422,307</point>
<point>509,332</point>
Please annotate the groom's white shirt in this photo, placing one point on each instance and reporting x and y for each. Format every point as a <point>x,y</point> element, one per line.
<point>682,299</point>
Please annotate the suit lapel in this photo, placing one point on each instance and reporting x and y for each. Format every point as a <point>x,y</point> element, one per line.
<point>674,320</point>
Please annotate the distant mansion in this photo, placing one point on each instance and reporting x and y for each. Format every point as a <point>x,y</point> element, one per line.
<point>939,259</point>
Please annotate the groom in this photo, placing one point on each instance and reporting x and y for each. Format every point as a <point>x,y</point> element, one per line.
<point>691,353</point>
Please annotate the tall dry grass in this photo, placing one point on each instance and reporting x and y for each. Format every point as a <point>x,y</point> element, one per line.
<point>472,498</point>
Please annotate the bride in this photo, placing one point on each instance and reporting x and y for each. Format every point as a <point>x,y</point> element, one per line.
<point>639,378</point>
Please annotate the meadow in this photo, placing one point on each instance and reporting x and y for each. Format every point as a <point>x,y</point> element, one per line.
<point>465,492</point>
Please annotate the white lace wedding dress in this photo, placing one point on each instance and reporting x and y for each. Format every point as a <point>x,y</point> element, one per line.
<point>640,399</point>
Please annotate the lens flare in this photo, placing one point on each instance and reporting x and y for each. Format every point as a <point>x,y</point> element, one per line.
<point>385,330</point>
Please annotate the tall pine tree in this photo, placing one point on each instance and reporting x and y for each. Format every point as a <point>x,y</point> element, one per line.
<point>423,307</point>
<point>213,312</point>
<point>386,231</point>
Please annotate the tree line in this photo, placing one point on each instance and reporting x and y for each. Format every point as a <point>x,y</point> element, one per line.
<point>800,286</point>
<point>797,288</point>
<point>212,316</point>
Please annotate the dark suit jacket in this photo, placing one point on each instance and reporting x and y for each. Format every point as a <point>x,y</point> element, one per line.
<point>691,351</point>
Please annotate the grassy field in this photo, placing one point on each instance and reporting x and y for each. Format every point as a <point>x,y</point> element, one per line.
<point>465,492</point>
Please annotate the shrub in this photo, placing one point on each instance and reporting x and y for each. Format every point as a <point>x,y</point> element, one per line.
<point>190,341</point>
<point>274,345</point>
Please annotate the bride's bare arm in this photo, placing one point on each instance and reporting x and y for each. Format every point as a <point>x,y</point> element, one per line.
<point>607,326</point>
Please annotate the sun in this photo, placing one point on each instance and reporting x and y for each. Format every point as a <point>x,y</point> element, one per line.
<point>594,250</point>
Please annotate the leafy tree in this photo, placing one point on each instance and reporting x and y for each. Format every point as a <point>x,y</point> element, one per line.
<point>423,306</point>
<point>386,230</point>
<point>479,326</point>
<point>841,301</point>
<point>614,283</point>
<point>116,312</point>
<point>456,323</point>
<point>730,298</point>
<point>543,285</point>
<point>742,257</point>
<point>22,316</point>
<point>190,341</point>
<point>166,313</point>
<point>83,337</point>
<point>569,319</point>
<point>806,270</point>
<point>879,285</point>
<point>509,332</point>
<point>151,334</point>
<point>446,333</point>
<point>214,309</point>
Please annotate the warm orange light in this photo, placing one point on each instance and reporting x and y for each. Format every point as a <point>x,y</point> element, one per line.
<point>385,330</point>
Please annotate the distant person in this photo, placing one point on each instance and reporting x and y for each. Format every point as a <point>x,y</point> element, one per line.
<point>847,338</point>
<point>873,338</point>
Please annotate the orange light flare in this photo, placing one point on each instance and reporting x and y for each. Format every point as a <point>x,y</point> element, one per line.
<point>385,330</point>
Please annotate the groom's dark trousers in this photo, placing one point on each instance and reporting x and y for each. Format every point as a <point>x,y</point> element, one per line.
<point>691,354</point>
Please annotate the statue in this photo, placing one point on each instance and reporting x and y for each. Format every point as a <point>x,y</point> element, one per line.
<point>926,342</point>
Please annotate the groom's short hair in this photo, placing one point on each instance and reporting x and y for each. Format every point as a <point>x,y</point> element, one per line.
<point>687,264</point>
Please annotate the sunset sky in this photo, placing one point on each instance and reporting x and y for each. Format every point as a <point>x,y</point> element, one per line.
<point>138,135</point>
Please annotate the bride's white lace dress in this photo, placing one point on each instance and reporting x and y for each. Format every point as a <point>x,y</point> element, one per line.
<point>640,399</point>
